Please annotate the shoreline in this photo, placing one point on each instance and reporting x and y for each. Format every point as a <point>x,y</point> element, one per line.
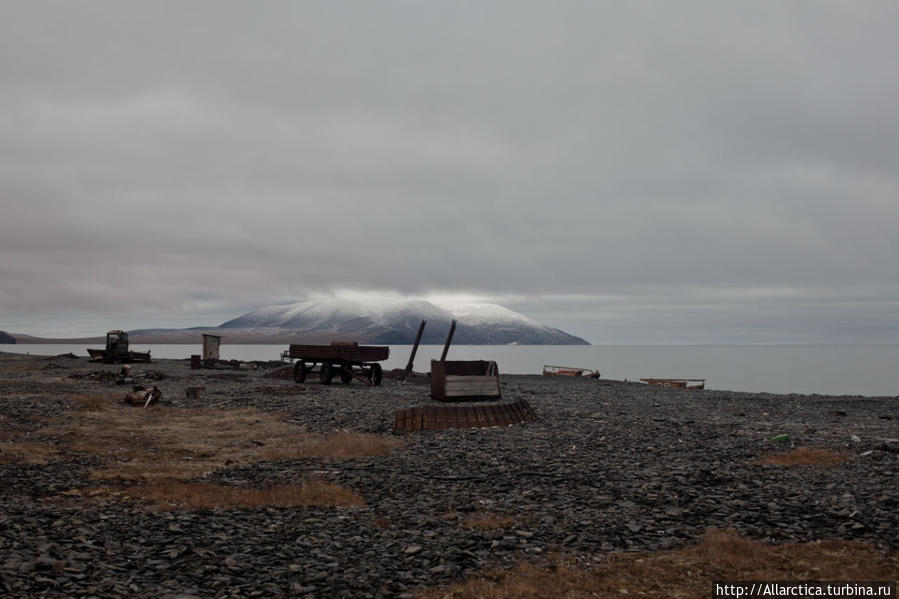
<point>608,467</point>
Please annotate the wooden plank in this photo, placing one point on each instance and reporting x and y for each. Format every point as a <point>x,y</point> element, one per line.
<point>486,386</point>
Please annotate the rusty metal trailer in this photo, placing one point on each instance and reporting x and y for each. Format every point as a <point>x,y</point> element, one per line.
<point>348,360</point>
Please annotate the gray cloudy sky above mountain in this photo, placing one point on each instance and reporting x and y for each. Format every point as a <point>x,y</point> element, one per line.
<point>629,172</point>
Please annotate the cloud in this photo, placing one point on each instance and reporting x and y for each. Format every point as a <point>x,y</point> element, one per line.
<point>183,163</point>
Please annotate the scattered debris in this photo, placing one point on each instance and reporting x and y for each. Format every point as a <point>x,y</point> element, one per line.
<point>196,362</point>
<point>143,397</point>
<point>95,375</point>
<point>676,383</point>
<point>122,377</point>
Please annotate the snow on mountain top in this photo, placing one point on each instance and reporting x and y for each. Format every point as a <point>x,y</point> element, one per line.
<point>377,310</point>
<point>480,313</point>
<point>395,320</point>
<point>380,309</point>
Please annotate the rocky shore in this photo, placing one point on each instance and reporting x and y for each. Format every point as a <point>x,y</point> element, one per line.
<point>608,467</point>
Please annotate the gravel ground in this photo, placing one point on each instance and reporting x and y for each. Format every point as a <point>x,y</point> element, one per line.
<point>609,466</point>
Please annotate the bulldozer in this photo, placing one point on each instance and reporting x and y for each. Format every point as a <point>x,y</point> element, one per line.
<point>117,350</point>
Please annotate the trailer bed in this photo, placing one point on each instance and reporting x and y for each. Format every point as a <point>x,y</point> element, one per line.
<point>350,353</point>
<point>346,359</point>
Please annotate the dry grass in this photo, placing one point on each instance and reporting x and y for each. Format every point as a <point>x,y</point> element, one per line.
<point>162,442</point>
<point>689,572</point>
<point>803,456</point>
<point>342,445</point>
<point>169,493</point>
<point>95,402</point>
<point>25,452</point>
<point>161,447</point>
<point>488,521</point>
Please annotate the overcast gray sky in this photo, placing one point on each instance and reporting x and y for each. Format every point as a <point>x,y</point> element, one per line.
<point>631,172</point>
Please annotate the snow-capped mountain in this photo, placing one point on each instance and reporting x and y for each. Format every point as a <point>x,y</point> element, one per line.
<point>504,326</point>
<point>396,321</point>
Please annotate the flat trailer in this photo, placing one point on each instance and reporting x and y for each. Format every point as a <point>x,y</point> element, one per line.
<point>346,359</point>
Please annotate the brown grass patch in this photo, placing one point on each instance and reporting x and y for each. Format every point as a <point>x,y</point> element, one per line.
<point>689,572</point>
<point>488,521</point>
<point>162,447</point>
<point>162,442</point>
<point>25,452</point>
<point>95,402</point>
<point>170,493</point>
<point>20,366</point>
<point>342,445</point>
<point>803,456</point>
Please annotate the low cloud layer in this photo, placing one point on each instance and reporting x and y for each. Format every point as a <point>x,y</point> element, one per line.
<point>630,172</point>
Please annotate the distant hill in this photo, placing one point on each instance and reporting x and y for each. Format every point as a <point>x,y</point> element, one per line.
<point>396,322</point>
<point>386,322</point>
<point>5,338</point>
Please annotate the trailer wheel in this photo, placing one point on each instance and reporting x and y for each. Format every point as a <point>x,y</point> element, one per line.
<point>376,374</point>
<point>345,375</point>
<point>326,374</point>
<point>299,372</point>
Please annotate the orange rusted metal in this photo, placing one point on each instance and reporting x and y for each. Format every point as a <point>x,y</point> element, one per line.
<point>436,417</point>
<point>549,370</point>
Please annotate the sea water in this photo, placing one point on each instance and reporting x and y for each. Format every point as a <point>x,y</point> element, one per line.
<point>826,370</point>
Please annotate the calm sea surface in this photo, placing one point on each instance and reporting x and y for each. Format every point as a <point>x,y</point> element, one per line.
<point>828,370</point>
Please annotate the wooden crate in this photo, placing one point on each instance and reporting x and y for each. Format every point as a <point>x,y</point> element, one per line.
<point>457,380</point>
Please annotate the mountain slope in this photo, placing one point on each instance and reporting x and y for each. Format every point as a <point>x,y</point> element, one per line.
<point>393,321</point>
<point>504,326</point>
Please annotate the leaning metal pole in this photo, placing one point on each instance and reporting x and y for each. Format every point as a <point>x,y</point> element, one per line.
<point>449,339</point>
<point>408,369</point>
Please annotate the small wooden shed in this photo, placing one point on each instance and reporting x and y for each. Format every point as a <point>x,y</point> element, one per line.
<point>211,345</point>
